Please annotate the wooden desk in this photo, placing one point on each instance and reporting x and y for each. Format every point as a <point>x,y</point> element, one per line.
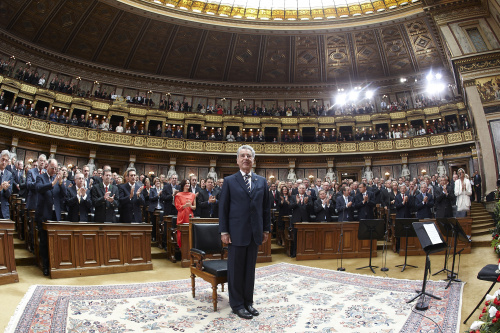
<point>8,272</point>
<point>264,253</point>
<point>317,240</point>
<point>83,249</point>
<point>415,249</point>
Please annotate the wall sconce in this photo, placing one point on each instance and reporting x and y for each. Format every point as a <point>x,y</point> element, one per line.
<point>30,161</point>
<point>424,172</point>
<point>272,179</point>
<point>70,166</point>
<point>387,174</point>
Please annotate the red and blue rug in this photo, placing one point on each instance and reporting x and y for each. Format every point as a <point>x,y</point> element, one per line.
<point>290,298</point>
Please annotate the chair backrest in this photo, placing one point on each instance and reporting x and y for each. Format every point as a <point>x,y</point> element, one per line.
<point>206,237</point>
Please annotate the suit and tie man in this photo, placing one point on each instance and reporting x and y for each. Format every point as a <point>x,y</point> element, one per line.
<point>444,199</point>
<point>88,178</point>
<point>244,223</point>
<point>105,198</point>
<point>78,201</point>
<point>403,203</point>
<point>364,202</point>
<point>32,201</point>
<point>424,202</point>
<point>345,205</point>
<point>5,185</point>
<point>194,188</point>
<point>51,196</point>
<point>477,185</point>
<point>155,203</point>
<point>131,199</point>
<point>170,189</point>
<point>274,197</point>
<point>208,200</point>
<point>301,205</point>
<point>20,180</point>
<point>323,207</point>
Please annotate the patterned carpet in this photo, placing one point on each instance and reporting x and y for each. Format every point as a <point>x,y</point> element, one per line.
<point>291,298</point>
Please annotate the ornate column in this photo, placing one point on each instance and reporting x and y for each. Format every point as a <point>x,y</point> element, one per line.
<point>483,140</point>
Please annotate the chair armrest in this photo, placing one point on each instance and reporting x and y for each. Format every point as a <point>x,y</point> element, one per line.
<point>224,252</point>
<point>197,257</point>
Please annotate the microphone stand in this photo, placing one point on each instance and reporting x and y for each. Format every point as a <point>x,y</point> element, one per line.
<point>386,238</point>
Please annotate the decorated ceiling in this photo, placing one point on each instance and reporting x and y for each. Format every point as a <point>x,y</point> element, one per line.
<point>101,32</point>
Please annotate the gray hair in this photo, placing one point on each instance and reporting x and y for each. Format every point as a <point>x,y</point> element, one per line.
<point>42,156</point>
<point>5,152</point>
<point>247,147</point>
<point>52,160</point>
<point>130,169</point>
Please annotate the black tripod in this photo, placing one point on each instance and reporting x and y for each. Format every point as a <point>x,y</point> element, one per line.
<point>341,243</point>
<point>404,226</point>
<point>445,229</point>
<point>386,240</point>
<point>423,303</point>
<point>369,230</point>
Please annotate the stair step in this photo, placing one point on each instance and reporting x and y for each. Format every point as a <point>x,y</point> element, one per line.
<point>478,233</point>
<point>482,225</point>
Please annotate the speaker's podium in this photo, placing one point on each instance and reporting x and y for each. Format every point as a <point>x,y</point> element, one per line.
<point>432,241</point>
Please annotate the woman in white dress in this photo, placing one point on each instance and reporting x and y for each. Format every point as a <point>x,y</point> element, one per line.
<point>463,191</point>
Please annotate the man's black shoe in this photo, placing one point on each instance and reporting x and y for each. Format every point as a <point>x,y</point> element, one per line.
<point>252,310</point>
<point>243,313</point>
<point>46,271</point>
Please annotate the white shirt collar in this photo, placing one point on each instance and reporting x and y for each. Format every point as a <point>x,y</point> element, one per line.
<point>243,173</point>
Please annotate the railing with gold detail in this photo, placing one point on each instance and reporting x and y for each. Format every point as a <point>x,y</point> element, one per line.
<point>37,126</point>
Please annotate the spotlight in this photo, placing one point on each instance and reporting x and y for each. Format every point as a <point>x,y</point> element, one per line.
<point>369,94</point>
<point>438,76</point>
<point>340,99</point>
<point>353,95</point>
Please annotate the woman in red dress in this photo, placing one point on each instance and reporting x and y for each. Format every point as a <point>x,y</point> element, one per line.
<point>185,202</point>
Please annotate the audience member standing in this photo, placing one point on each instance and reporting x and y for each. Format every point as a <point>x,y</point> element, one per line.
<point>105,199</point>
<point>463,191</point>
<point>78,201</point>
<point>444,199</point>
<point>131,199</point>
<point>5,185</point>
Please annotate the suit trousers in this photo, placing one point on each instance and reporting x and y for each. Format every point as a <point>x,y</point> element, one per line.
<point>44,242</point>
<point>241,262</point>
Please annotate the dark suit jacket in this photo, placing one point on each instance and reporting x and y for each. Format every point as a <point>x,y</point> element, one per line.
<point>130,209</point>
<point>365,210</point>
<point>244,215</point>
<point>48,197</point>
<point>104,211</point>
<point>323,214</point>
<point>301,211</point>
<point>32,200</point>
<point>204,206</point>
<point>424,210</point>
<point>78,211</point>
<point>345,214</point>
<point>153,200</point>
<point>443,203</point>
<point>403,210</point>
<point>275,200</point>
<point>5,194</point>
<point>167,198</point>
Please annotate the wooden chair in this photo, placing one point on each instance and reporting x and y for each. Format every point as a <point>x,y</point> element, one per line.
<point>289,236</point>
<point>169,231</point>
<point>204,240</point>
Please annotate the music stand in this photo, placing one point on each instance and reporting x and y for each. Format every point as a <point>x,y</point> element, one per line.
<point>369,230</point>
<point>431,241</point>
<point>445,229</point>
<point>405,229</point>
<point>458,232</point>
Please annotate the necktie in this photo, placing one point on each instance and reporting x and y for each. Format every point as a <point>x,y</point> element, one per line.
<point>106,188</point>
<point>346,201</point>
<point>247,181</point>
<point>1,176</point>
<point>301,199</point>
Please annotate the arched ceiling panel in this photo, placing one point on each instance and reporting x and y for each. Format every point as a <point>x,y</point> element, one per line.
<point>121,39</point>
<point>276,62</point>
<point>180,59</point>
<point>245,58</point>
<point>368,59</point>
<point>151,46</point>
<point>32,18</point>
<point>8,11</point>
<point>213,56</point>
<point>87,40</point>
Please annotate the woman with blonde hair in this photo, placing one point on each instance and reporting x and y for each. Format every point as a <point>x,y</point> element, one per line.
<point>463,191</point>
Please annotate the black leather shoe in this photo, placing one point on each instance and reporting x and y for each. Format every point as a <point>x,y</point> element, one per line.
<point>46,271</point>
<point>252,310</point>
<point>243,313</point>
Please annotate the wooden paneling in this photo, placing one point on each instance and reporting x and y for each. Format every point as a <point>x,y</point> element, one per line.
<point>8,272</point>
<point>82,249</point>
<point>321,241</point>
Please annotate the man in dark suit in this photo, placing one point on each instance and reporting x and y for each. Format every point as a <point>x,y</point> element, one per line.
<point>32,201</point>
<point>208,200</point>
<point>424,202</point>
<point>155,203</point>
<point>274,197</point>
<point>131,199</point>
<point>301,205</point>
<point>364,202</point>
<point>244,223</point>
<point>50,201</point>
<point>19,180</point>
<point>403,203</point>
<point>195,189</point>
<point>477,186</point>
<point>78,201</point>
<point>345,207</point>
<point>5,185</point>
<point>105,198</point>
<point>178,133</point>
<point>323,207</point>
<point>444,199</point>
<point>170,189</point>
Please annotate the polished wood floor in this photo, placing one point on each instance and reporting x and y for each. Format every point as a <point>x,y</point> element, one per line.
<point>165,270</point>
